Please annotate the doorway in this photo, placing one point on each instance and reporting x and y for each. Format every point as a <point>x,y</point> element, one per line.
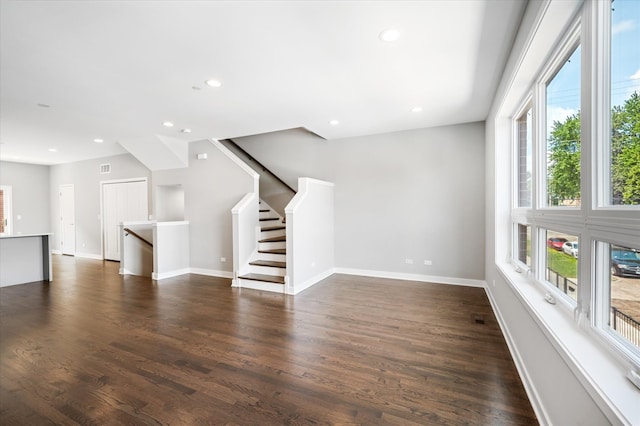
<point>6,217</point>
<point>122,201</point>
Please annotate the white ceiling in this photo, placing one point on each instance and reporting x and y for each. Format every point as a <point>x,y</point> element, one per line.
<point>116,70</point>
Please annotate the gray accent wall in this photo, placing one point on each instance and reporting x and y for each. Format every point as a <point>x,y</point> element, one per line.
<point>30,196</point>
<point>212,187</point>
<point>415,195</point>
<point>85,176</point>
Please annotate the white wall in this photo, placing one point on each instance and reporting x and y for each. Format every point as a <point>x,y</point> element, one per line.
<point>211,188</point>
<point>86,177</point>
<point>310,234</point>
<point>170,249</point>
<point>416,194</point>
<point>30,196</point>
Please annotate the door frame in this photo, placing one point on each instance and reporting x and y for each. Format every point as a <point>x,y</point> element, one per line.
<point>8,208</point>
<point>108,182</point>
<point>62,230</point>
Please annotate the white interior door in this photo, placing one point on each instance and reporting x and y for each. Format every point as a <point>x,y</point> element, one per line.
<point>121,202</point>
<point>67,220</point>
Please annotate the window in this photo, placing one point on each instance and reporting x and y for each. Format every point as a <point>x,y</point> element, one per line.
<point>561,262</point>
<point>576,212</point>
<point>624,298</point>
<point>524,244</point>
<point>625,103</point>
<point>563,134</point>
<point>524,159</point>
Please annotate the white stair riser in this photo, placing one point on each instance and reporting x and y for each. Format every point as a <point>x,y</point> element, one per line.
<point>261,285</point>
<point>274,257</point>
<point>264,215</point>
<point>270,223</point>
<point>271,234</point>
<point>269,246</point>
<point>267,270</point>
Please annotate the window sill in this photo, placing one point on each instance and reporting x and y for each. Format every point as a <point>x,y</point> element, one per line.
<point>602,373</point>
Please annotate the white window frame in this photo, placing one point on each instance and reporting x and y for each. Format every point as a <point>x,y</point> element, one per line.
<point>595,221</point>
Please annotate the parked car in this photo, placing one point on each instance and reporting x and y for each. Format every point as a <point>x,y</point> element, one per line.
<point>625,262</point>
<point>571,248</point>
<point>556,243</point>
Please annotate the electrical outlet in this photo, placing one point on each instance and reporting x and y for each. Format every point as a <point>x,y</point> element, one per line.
<point>428,262</point>
<point>408,261</point>
<point>223,259</point>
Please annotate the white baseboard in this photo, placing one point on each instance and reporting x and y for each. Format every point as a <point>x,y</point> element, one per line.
<point>169,274</point>
<point>258,285</point>
<point>530,389</point>
<point>211,272</point>
<point>412,277</point>
<point>89,256</point>
<point>311,281</point>
<point>56,251</point>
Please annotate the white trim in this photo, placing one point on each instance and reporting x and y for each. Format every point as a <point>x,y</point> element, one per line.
<point>211,272</point>
<point>258,285</point>
<point>318,181</point>
<point>58,252</point>
<point>85,255</point>
<point>602,374</point>
<point>412,277</point>
<point>298,288</point>
<point>525,377</point>
<point>169,274</point>
<point>172,223</point>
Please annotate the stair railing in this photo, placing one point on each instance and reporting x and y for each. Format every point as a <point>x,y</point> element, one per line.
<point>128,231</point>
<point>273,190</point>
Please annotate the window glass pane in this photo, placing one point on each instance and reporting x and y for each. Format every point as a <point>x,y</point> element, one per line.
<point>524,244</point>
<point>625,293</point>
<point>563,134</point>
<point>625,102</point>
<point>562,262</point>
<point>524,160</point>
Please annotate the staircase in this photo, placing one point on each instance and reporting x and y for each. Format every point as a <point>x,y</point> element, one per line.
<point>267,271</point>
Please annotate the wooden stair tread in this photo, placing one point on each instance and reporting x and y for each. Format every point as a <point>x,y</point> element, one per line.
<point>266,219</point>
<point>272,228</point>
<point>266,278</point>
<point>264,210</point>
<point>273,251</point>
<point>272,263</point>
<point>273,239</point>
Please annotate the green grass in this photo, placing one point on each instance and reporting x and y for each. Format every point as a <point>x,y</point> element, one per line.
<point>562,263</point>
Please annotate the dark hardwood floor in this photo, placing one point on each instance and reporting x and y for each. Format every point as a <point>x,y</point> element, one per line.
<point>96,348</point>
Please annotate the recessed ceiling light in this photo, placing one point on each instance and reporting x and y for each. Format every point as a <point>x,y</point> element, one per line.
<point>98,140</point>
<point>186,130</point>
<point>389,35</point>
<point>334,122</point>
<point>167,124</point>
<point>416,109</point>
<point>53,150</point>
<point>213,83</point>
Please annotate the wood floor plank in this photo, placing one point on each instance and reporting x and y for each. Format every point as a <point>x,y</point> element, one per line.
<point>94,347</point>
